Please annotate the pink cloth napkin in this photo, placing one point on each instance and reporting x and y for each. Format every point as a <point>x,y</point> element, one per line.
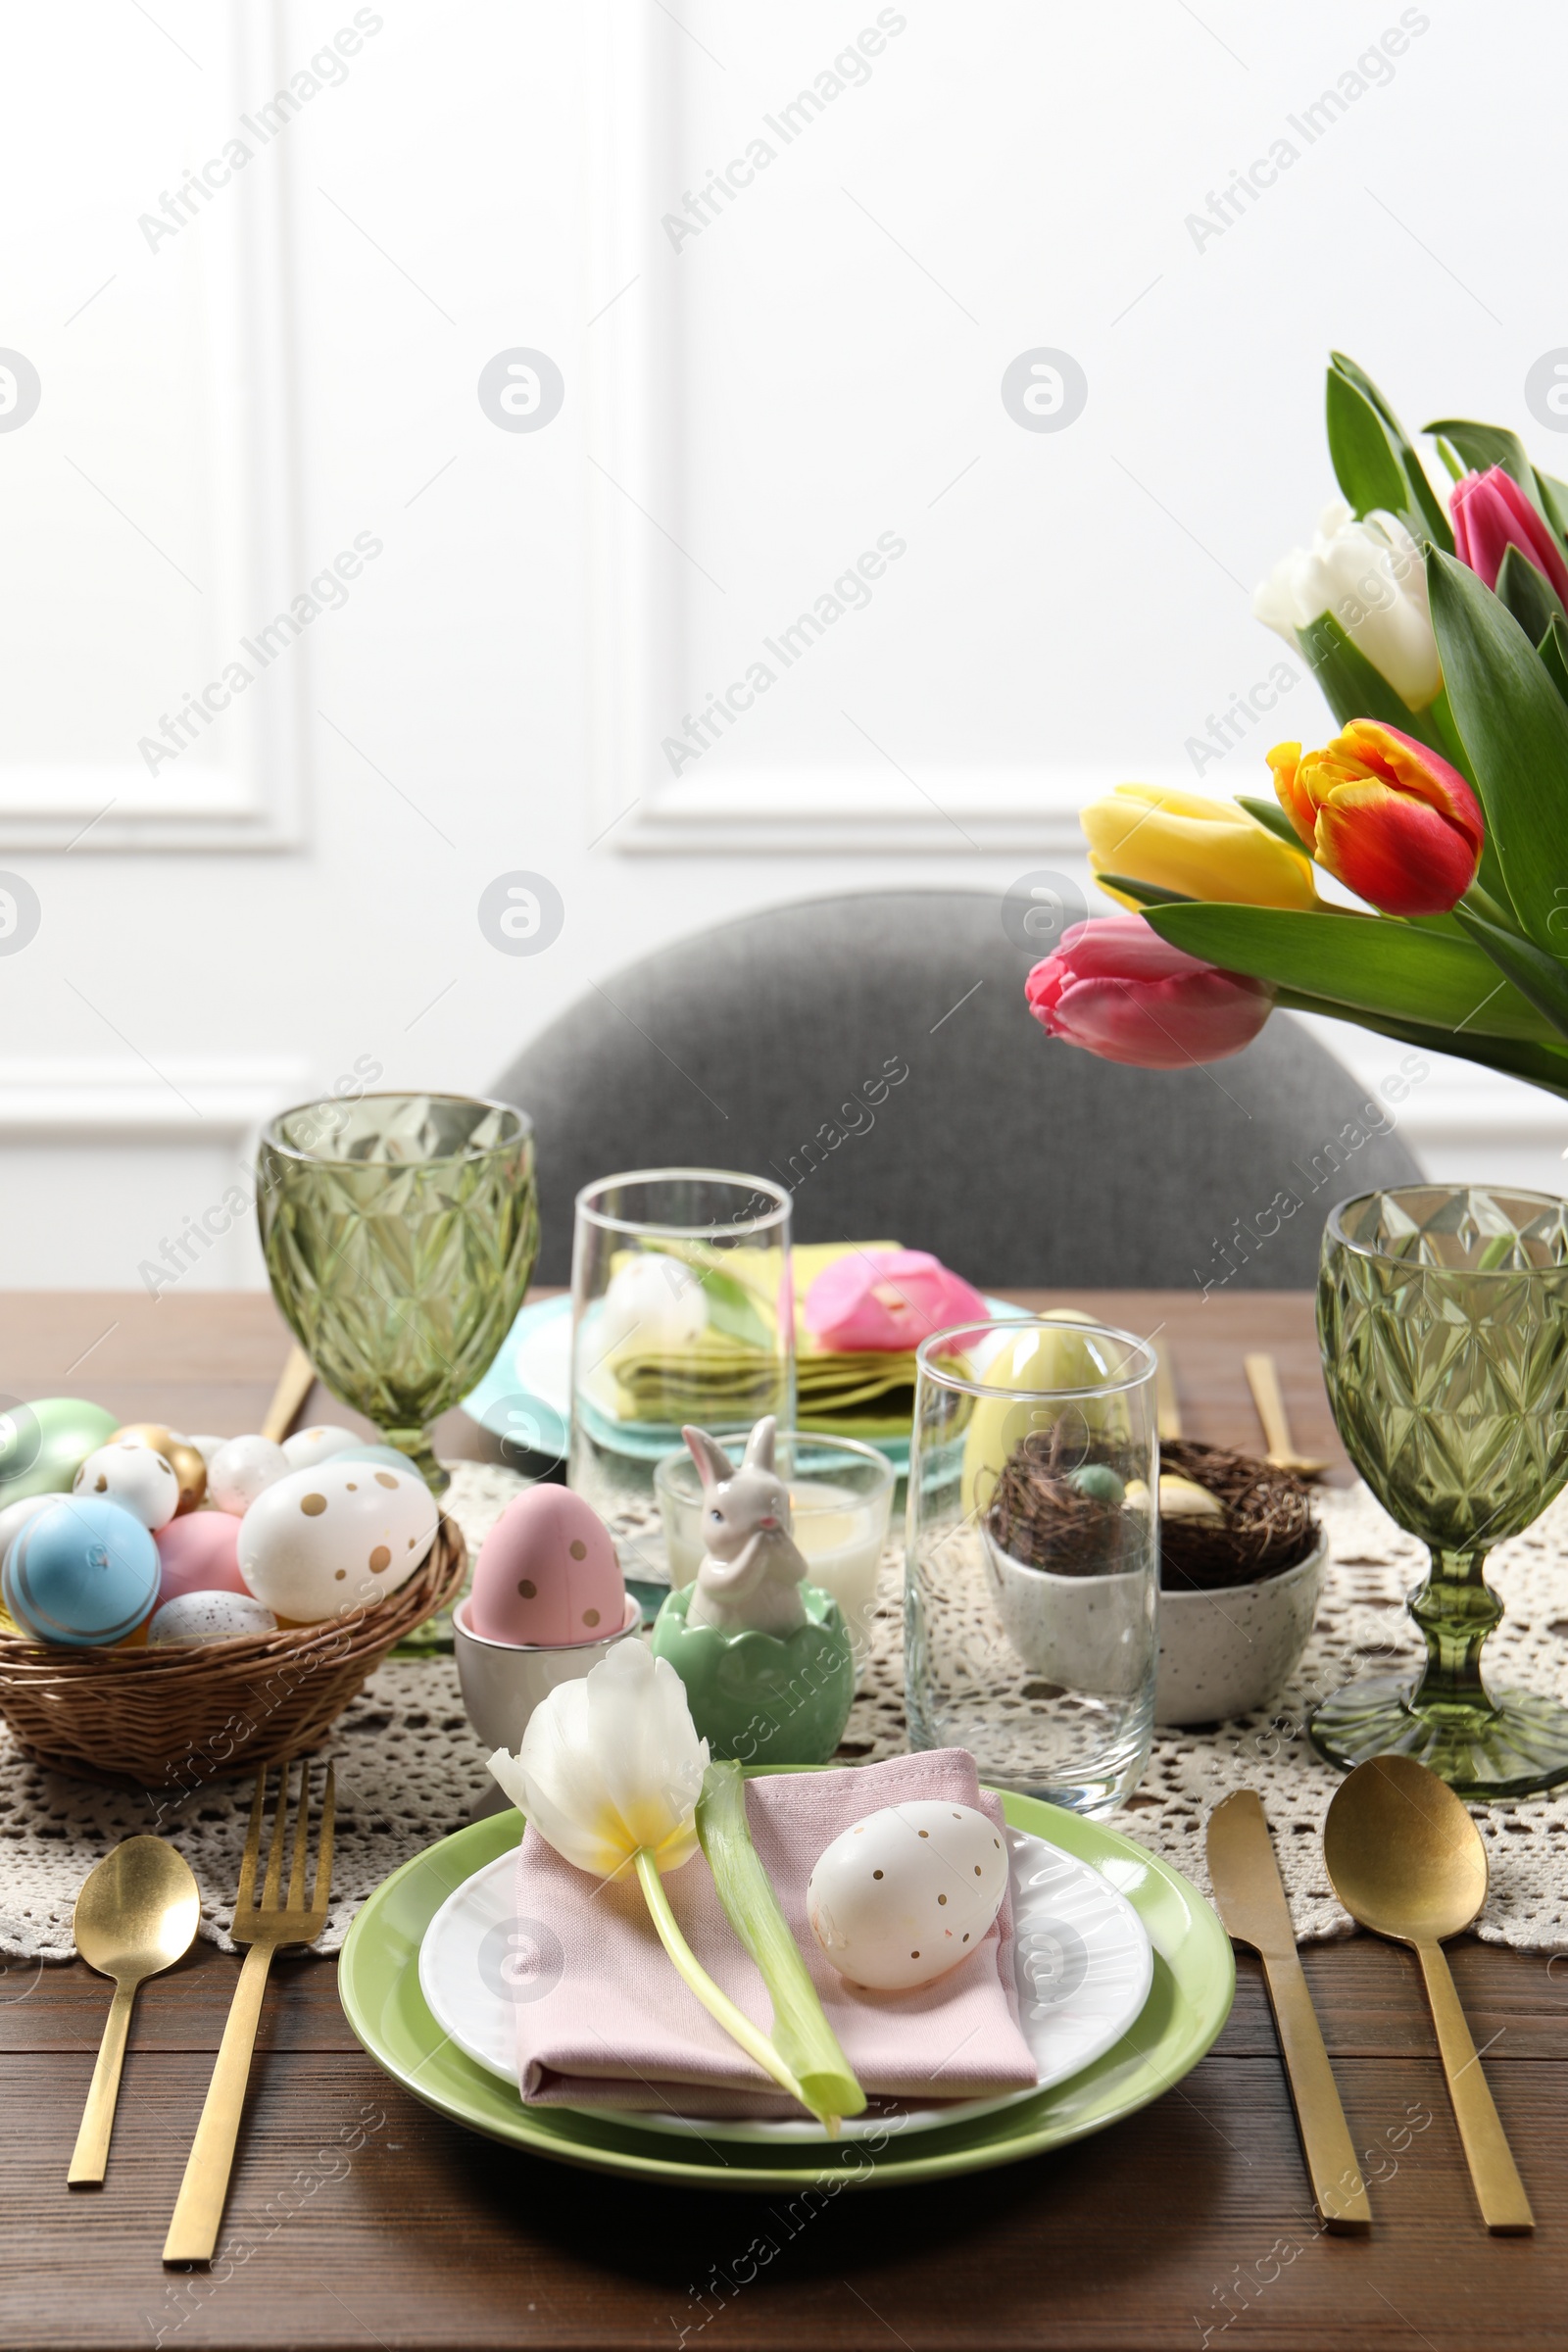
<point>619,2027</point>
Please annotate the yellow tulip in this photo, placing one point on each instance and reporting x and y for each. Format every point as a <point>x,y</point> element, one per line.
<point>1204,848</point>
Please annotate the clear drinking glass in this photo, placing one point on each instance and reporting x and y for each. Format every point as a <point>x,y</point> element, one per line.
<point>400,1232</point>
<point>1032,1564</point>
<point>683,1310</point>
<point>1443,1316</point>
<point>841,1497</point>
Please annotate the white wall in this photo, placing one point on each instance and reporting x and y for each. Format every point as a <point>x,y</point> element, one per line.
<point>225,412</point>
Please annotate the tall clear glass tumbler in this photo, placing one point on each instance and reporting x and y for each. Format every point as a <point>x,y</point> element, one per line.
<point>1031,1558</point>
<point>683,1310</point>
<point>1443,1316</point>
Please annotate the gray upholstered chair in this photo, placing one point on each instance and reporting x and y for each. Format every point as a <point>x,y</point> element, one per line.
<point>874,1053</point>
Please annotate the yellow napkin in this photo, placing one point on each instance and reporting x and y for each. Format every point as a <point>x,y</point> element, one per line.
<point>727,1373</point>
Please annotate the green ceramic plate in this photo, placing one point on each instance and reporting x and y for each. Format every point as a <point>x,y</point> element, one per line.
<point>1195,1978</point>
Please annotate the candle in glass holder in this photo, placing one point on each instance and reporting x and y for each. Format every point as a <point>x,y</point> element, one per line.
<point>840,1496</point>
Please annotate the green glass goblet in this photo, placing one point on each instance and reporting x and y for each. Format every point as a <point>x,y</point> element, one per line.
<point>400,1232</point>
<point>1443,1316</point>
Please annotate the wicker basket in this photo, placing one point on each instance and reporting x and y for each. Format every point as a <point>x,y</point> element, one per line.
<point>172,1719</point>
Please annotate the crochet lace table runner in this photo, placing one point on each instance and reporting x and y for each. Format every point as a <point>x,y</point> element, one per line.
<point>410,1770</point>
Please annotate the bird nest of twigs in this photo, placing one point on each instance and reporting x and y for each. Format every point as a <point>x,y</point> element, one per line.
<point>1042,1516</point>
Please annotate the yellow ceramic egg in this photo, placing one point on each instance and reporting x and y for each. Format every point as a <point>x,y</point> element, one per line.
<point>1039,1362</point>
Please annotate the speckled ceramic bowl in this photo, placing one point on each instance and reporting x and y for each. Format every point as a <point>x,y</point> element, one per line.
<point>1222,1653</point>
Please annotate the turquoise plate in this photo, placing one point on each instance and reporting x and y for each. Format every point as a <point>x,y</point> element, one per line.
<point>1194,1979</point>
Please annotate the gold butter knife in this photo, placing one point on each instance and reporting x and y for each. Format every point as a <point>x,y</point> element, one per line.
<point>1251,1903</point>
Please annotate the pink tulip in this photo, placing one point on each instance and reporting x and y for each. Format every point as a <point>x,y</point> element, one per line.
<point>885,1300</point>
<point>1492,513</point>
<point>1116,988</point>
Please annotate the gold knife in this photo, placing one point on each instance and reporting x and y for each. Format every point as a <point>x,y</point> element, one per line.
<point>1251,1903</point>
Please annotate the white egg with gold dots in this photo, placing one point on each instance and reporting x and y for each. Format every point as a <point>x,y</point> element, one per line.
<point>129,1473</point>
<point>906,1893</point>
<point>335,1536</point>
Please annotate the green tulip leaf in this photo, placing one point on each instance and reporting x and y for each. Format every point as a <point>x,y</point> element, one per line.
<point>1539,1066</point>
<point>1515,726</point>
<point>1353,687</point>
<point>1554,501</point>
<point>1147,893</point>
<point>1536,974</point>
<point>1362,964</point>
<point>1528,594</point>
<point>1485,444</point>
<point>1366,464</point>
<point>1554,651</point>
<point>1273,818</point>
<point>1420,498</point>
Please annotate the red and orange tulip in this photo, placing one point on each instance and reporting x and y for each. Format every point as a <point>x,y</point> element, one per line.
<point>1386,816</point>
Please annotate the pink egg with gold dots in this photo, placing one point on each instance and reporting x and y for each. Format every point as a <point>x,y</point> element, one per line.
<point>547,1574</point>
<point>199,1554</point>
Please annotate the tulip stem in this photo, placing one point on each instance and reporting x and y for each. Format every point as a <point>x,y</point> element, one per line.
<point>736,2024</point>
<point>1481,903</point>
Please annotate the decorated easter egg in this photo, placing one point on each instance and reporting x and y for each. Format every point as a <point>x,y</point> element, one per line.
<point>131,1474</point>
<point>43,1443</point>
<point>240,1470</point>
<point>207,1617</point>
<point>340,1536</point>
<point>156,1434</point>
<point>313,1445</point>
<point>384,1457</point>
<point>906,1893</point>
<point>189,1467</point>
<point>199,1554</point>
<point>83,1574</point>
<point>17,1514</point>
<point>547,1574</point>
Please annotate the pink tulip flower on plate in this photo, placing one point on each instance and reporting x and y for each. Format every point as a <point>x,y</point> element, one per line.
<point>877,1301</point>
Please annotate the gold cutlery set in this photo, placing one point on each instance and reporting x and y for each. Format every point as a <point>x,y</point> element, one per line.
<point>1408,1862</point>
<point>1263,1378</point>
<point>136,1915</point>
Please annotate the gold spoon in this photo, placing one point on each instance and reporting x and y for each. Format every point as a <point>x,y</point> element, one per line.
<point>1406,1860</point>
<point>1263,1378</point>
<point>136,1915</point>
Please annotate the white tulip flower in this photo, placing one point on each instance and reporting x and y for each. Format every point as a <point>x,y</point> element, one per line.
<point>1369,576</point>
<point>612,1766</point>
<point>609,1774</point>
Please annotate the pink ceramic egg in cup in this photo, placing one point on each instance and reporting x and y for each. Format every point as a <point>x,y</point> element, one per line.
<point>547,1574</point>
<point>199,1555</point>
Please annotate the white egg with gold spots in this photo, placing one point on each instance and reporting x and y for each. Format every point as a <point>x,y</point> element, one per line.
<point>127,1472</point>
<point>336,1535</point>
<point>907,1894</point>
<point>316,1444</point>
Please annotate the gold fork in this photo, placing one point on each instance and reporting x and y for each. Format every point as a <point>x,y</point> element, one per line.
<point>261,1926</point>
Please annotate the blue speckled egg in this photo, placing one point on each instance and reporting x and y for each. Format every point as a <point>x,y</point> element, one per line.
<point>84,1572</point>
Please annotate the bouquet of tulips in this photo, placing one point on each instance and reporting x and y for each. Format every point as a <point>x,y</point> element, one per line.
<point>1438,635</point>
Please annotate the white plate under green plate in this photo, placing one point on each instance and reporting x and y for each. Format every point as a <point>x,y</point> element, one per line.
<point>525,1397</point>
<point>1189,2000</point>
<point>1082,1961</point>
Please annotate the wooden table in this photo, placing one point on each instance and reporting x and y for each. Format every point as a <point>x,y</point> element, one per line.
<point>366,2220</point>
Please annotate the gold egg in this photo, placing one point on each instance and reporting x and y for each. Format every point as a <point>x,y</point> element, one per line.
<point>184,1460</point>
<point>191,1471</point>
<point>144,1433</point>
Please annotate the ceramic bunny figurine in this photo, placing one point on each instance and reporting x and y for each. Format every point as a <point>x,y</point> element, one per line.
<point>751,1579</point>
